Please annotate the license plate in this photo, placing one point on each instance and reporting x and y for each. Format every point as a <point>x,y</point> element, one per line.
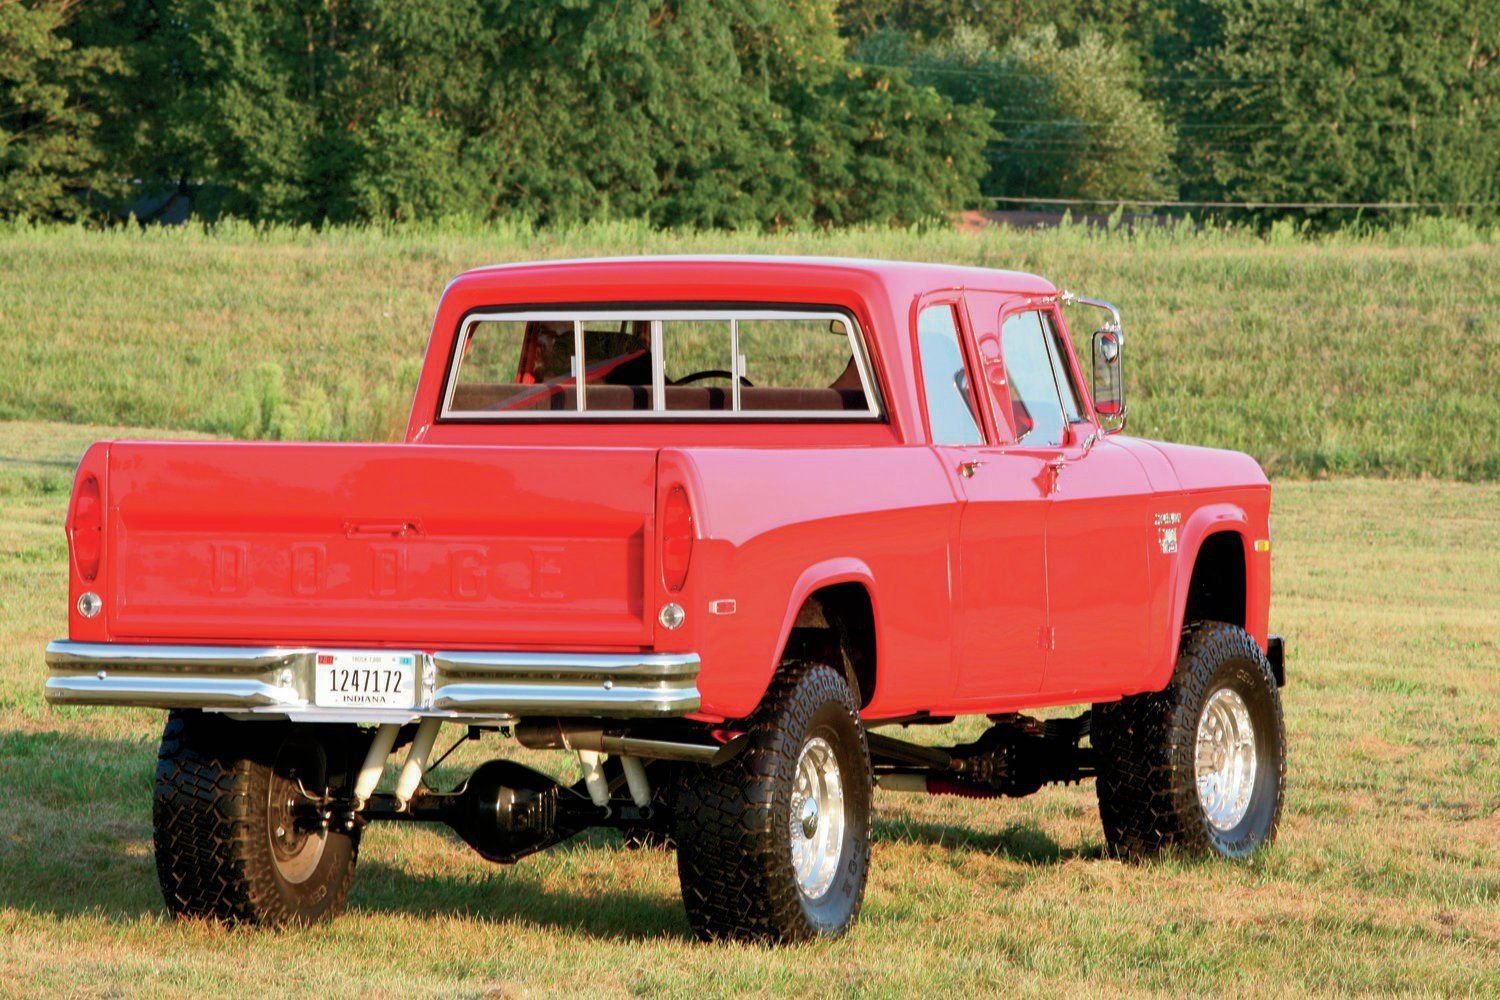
<point>365,680</point>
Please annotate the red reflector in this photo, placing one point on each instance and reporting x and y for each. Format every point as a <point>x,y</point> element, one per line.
<point>676,538</point>
<point>88,528</point>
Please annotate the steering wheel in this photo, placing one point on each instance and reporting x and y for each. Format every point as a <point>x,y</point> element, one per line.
<point>712,373</point>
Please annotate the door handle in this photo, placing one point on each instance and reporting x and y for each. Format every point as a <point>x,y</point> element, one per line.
<point>381,529</point>
<point>1056,466</point>
<point>967,469</point>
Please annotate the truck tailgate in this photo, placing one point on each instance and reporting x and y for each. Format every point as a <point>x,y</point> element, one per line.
<point>390,544</point>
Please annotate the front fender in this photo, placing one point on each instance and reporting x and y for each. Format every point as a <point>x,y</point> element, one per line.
<point>1207,520</point>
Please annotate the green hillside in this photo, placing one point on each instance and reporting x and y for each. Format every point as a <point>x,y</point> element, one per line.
<point>1372,355</point>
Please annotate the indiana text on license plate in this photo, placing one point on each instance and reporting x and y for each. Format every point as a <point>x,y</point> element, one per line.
<point>366,680</point>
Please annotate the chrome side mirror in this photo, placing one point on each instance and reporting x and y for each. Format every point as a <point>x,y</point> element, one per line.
<point>1109,370</point>
<point>1109,379</point>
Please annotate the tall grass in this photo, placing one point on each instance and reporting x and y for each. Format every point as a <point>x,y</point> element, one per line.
<point>1358,352</point>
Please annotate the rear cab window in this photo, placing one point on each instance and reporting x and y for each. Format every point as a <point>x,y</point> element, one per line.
<point>711,363</point>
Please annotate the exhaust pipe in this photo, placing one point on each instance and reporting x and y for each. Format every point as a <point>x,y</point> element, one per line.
<point>553,734</point>
<point>935,784</point>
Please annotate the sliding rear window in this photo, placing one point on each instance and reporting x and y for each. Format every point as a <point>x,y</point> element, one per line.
<point>654,363</point>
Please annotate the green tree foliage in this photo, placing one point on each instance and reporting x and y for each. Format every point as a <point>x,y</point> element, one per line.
<point>1002,20</point>
<point>1070,120</point>
<point>892,146</point>
<point>242,95</point>
<point>1341,100</point>
<point>1080,127</point>
<point>729,113</point>
<point>740,113</point>
<point>47,151</point>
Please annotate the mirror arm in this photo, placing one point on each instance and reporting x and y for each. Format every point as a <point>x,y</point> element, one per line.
<point>1115,323</point>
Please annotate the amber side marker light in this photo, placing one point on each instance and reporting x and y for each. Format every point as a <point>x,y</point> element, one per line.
<point>676,538</point>
<point>87,530</point>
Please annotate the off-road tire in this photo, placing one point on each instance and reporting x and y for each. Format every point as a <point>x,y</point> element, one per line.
<point>213,818</point>
<point>733,822</point>
<point>1145,746</point>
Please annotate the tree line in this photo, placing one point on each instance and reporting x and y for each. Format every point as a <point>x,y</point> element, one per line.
<point>737,113</point>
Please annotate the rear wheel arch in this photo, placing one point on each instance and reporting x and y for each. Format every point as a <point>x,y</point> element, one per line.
<point>832,618</point>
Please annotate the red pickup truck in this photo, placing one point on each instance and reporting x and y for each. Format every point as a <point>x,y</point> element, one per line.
<point>712,525</point>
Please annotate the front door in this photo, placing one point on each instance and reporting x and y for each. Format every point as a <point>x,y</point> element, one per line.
<point>1098,516</point>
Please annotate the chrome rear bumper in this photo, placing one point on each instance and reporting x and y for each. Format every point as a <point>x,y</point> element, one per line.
<point>457,684</point>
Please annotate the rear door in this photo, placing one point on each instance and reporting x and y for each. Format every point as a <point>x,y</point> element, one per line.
<point>380,544</point>
<point>1000,595</point>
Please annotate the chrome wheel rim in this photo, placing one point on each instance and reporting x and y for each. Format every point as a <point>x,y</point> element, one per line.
<point>817,818</point>
<point>1225,762</point>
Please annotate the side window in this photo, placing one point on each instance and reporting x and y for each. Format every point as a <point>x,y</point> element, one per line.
<point>1036,412</point>
<point>1062,372</point>
<point>950,397</point>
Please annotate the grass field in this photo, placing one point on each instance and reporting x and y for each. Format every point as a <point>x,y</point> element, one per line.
<point>1386,877</point>
<point>1342,355</point>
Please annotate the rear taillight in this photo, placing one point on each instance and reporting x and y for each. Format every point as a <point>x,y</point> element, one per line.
<point>676,538</point>
<point>87,530</point>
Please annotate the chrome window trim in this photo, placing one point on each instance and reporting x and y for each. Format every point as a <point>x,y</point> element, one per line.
<point>658,369</point>
<point>736,364</point>
<point>578,379</point>
<point>875,410</point>
<point>1062,369</point>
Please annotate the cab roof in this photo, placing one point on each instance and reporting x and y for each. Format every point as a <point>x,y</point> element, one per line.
<point>882,295</point>
<point>730,266</point>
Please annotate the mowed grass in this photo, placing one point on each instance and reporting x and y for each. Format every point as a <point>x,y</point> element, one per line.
<point>1386,877</point>
<point>1373,355</point>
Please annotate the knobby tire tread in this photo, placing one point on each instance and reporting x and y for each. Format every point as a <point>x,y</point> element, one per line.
<point>209,815</point>
<point>732,845</point>
<point>1145,746</point>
